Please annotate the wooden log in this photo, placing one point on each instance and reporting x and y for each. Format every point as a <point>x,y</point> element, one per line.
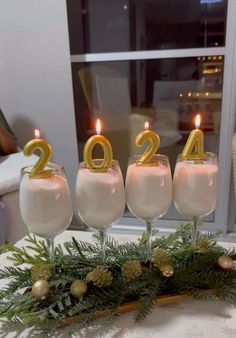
<point>134,305</point>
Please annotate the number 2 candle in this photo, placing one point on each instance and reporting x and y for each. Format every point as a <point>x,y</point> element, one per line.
<point>38,170</point>
<point>45,200</point>
<point>154,143</point>
<point>148,181</point>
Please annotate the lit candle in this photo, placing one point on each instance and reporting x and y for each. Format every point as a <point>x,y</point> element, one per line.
<point>99,187</point>
<point>154,143</point>
<point>45,200</point>
<point>195,188</point>
<point>38,170</point>
<point>107,149</point>
<point>194,147</point>
<point>148,187</point>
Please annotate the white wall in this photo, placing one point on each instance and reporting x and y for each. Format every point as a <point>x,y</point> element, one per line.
<point>35,75</point>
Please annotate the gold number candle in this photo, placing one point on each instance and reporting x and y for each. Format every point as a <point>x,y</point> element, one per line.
<point>154,143</point>
<point>38,170</point>
<point>107,150</point>
<point>194,147</point>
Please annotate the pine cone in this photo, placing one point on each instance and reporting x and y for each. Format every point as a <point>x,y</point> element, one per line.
<point>40,271</point>
<point>131,269</point>
<point>160,257</point>
<point>203,244</point>
<point>100,276</point>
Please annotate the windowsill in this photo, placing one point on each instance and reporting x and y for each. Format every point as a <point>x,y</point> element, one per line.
<point>137,229</point>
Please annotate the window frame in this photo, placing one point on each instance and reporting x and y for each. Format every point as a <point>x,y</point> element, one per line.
<point>224,208</point>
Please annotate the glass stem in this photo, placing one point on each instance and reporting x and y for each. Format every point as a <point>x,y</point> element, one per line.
<point>194,230</point>
<point>149,237</point>
<point>103,236</point>
<point>50,244</point>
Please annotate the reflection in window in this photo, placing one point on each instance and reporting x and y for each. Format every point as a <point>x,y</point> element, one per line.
<point>131,25</point>
<point>210,2</point>
<point>167,93</point>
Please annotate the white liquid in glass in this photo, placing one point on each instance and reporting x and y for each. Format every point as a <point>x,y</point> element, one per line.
<point>45,205</point>
<point>100,197</point>
<point>195,188</point>
<point>148,191</point>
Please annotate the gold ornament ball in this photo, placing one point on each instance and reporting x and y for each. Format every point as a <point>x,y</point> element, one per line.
<point>225,262</point>
<point>78,288</point>
<point>40,289</point>
<point>167,270</point>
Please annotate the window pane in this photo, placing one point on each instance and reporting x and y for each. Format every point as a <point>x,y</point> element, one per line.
<point>168,93</point>
<point>129,25</point>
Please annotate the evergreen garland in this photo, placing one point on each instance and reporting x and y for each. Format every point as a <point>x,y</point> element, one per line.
<point>195,271</point>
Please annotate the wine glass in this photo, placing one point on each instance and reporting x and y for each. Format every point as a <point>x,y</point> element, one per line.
<point>45,203</point>
<point>100,197</point>
<point>196,184</point>
<point>149,190</point>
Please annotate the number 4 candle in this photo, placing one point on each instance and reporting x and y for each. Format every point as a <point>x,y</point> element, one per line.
<point>194,147</point>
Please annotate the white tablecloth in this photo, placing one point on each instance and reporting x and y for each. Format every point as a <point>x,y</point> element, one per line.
<point>190,319</point>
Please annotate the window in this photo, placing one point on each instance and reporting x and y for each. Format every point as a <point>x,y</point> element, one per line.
<point>134,25</point>
<point>157,61</point>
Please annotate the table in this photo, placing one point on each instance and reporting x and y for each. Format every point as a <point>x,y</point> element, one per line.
<point>189,319</point>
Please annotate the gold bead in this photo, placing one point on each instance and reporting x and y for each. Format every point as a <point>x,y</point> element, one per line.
<point>40,289</point>
<point>167,270</point>
<point>225,262</point>
<point>78,288</point>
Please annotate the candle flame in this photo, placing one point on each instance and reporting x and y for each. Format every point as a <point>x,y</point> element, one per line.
<point>197,121</point>
<point>36,133</point>
<point>146,125</point>
<point>98,127</point>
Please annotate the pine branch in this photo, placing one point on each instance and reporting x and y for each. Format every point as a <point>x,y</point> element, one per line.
<point>80,323</point>
<point>12,324</point>
<point>194,272</point>
<point>21,256</point>
<point>147,304</point>
<point>11,271</point>
<point>18,278</point>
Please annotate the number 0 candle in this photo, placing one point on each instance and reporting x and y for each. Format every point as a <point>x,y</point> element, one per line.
<point>38,170</point>
<point>154,143</point>
<point>107,149</point>
<point>194,147</point>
